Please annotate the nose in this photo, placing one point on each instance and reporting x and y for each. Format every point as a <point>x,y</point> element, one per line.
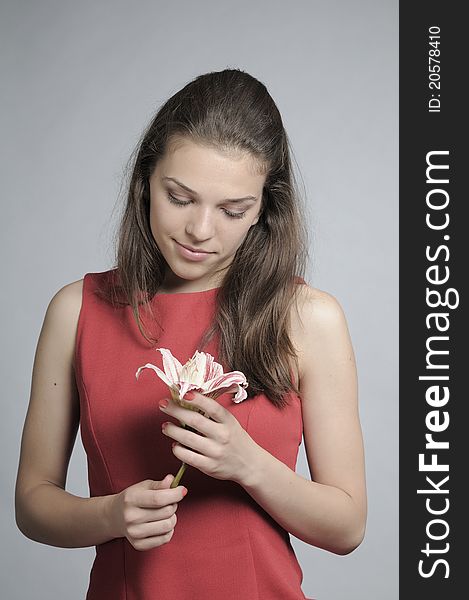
<point>200,223</point>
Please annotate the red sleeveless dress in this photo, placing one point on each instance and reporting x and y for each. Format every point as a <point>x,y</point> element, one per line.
<point>224,546</point>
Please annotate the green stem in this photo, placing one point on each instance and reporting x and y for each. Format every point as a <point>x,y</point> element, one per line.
<point>179,474</point>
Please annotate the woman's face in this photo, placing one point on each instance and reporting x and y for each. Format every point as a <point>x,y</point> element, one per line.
<point>195,202</point>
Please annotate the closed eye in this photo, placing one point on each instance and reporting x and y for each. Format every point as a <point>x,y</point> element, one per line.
<point>176,201</point>
<point>229,213</point>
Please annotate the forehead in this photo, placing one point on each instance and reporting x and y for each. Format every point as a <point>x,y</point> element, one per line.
<point>202,166</point>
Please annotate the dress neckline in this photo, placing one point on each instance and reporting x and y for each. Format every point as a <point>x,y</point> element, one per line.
<point>171,294</point>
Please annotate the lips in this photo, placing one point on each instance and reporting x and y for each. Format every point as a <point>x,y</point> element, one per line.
<point>194,249</point>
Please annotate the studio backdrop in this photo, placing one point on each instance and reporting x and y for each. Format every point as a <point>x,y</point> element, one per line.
<point>80,81</point>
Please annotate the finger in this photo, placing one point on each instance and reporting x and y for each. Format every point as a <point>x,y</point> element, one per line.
<point>165,483</point>
<point>191,418</point>
<point>160,498</point>
<point>191,458</point>
<point>153,542</point>
<point>149,515</point>
<point>145,530</point>
<point>191,439</point>
<point>210,407</point>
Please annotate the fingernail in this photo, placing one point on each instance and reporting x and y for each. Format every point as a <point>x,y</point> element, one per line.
<point>184,492</point>
<point>163,403</point>
<point>173,444</point>
<point>190,395</point>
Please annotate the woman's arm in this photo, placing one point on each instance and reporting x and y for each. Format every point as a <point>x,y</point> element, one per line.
<point>45,512</point>
<point>330,511</point>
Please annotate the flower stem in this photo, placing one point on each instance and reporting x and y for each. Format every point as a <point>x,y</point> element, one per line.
<point>179,474</point>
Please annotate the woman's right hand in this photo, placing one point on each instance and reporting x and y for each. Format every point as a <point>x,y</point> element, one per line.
<point>145,513</point>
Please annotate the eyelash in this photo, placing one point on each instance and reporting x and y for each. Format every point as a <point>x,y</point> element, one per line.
<point>228,213</point>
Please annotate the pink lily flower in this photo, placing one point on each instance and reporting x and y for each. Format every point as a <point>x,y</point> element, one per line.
<point>202,374</point>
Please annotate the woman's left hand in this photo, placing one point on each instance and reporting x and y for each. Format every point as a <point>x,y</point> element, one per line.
<point>224,450</point>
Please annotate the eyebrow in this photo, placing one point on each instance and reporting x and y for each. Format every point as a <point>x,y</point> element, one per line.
<point>188,189</point>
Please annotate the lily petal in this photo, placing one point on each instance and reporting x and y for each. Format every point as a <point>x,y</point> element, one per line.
<point>172,367</point>
<point>158,371</point>
<point>226,380</point>
<point>201,373</point>
<point>193,371</point>
<point>241,393</point>
<point>212,368</point>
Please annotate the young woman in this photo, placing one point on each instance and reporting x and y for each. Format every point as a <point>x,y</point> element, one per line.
<point>210,257</point>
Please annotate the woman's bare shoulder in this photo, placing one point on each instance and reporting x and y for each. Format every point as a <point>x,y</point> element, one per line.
<point>62,315</point>
<point>316,316</point>
<point>67,300</point>
<point>316,307</point>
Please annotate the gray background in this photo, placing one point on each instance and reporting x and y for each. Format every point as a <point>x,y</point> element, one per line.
<point>80,80</point>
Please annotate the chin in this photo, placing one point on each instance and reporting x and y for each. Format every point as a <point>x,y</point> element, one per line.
<point>188,273</point>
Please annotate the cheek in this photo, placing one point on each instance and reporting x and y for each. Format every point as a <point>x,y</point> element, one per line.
<point>234,238</point>
<point>161,219</point>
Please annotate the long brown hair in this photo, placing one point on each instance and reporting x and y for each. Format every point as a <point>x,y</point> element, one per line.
<point>231,111</point>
